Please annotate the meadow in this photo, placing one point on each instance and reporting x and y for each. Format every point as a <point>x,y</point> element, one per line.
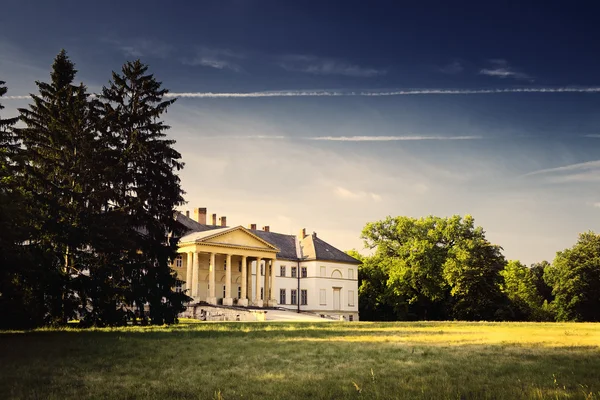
<point>411,360</point>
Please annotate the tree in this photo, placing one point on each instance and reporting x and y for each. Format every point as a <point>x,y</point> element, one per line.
<point>145,188</point>
<point>521,286</point>
<point>442,267</point>
<point>538,270</point>
<point>575,280</point>
<point>56,171</point>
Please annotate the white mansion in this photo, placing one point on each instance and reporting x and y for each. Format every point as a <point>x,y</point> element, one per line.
<point>258,268</point>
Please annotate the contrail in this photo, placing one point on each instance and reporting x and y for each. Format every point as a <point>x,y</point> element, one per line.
<point>339,93</point>
<point>344,93</point>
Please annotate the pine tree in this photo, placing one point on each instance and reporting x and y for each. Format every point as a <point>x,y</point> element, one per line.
<point>145,188</point>
<point>56,171</point>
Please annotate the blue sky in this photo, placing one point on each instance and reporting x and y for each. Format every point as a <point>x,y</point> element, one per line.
<point>358,110</point>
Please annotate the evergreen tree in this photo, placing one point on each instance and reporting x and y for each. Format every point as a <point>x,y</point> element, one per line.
<point>56,172</point>
<point>145,188</point>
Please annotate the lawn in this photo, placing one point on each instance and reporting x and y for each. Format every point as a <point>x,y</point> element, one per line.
<point>305,360</point>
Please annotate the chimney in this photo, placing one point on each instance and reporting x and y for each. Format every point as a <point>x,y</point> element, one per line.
<point>200,215</point>
<point>223,221</point>
<point>302,234</point>
<point>214,219</point>
<point>187,213</point>
<point>252,226</point>
<point>266,228</point>
<point>314,234</point>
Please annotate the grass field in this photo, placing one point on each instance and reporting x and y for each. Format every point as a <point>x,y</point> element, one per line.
<point>305,360</point>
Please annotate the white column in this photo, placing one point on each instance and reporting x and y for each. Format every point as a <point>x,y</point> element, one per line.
<point>228,300</point>
<point>212,299</point>
<point>266,284</point>
<point>195,275</point>
<point>188,272</point>
<point>243,300</point>
<point>257,300</point>
<point>249,281</point>
<point>273,300</point>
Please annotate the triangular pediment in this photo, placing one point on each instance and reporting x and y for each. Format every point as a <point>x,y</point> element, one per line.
<point>238,236</point>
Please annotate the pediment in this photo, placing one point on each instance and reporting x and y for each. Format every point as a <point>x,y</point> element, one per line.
<point>238,236</point>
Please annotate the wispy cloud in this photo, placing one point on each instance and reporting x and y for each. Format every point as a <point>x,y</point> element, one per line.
<point>348,93</point>
<point>592,135</point>
<point>346,194</point>
<point>585,166</point>
<point>407,92</point>
<point>596,204</point>
<point>215,58</point>
<point>499,68</point>
<point>389,138</point>
<point>327,66</point>
<point>142,47</point>
<point>453,68</point>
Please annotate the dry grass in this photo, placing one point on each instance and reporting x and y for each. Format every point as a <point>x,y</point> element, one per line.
<point>305,360</point>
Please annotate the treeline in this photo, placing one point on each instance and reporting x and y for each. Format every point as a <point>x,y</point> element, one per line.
<point>445,269</point>
<point>87,195</point>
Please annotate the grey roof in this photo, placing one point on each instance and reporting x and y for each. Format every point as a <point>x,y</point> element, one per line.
<point>313,248</point>
<point>193,226</point>
<point>285,243</point>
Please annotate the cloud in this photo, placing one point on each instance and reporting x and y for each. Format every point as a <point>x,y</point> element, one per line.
<point>581,172</point>
<point>596,204</point>
<point>400,92</point>
<point>499,68</point>
<point>389,138</point>
<point>453,68</point>
<point>592,135</point>
<point>215,58</point>
<point>585,166</point>
<point>139,48</point>
<point>348,93</point>
<point>327,66</point>
<point>346,194</point>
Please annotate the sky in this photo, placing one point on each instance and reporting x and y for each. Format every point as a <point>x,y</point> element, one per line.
<point>326,115</point>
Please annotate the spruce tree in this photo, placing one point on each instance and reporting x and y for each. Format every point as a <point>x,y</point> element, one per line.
<point>56,171</point>
<point>145,188</point>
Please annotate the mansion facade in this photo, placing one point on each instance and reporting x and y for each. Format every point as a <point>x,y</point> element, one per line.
<point>249,267</point>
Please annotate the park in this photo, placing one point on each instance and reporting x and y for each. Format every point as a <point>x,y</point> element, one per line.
<point>328,360</point>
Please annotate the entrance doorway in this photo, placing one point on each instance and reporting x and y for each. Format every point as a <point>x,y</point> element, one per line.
<point>336,298</point>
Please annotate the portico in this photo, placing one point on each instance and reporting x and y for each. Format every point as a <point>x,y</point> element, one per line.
<point>228,266</point>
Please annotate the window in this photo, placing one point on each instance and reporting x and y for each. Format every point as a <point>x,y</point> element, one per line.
<point>303,297</point>
<point>351,298</point>
<point>304,274</point>
<point>225,265</point>
<point>323,297</point>
<point>239,292</point>
<point>294,272</point>
<point>323,271</point>
<point>350,317</point>
<point>293,296</point>
<point>350,273</point>
<point>281,296</point>
<point>262,293</point>
<point>178,287</point>
<point>262,269</point>
<point>282,270</point>
<point>179,261</point>
<point>224,288</point>
<point>240,266</point>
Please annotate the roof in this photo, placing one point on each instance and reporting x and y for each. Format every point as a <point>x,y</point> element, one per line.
<point>285,243</point>
<point>193,226</point>
<point>313,248</point>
